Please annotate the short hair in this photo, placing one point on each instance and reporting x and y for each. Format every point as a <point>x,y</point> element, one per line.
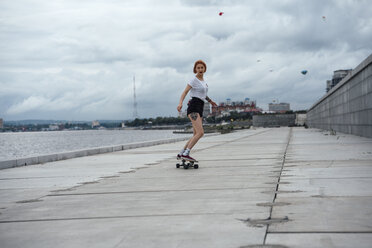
<point>200,62</point>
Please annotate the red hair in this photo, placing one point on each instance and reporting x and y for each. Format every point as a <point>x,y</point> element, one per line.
<point>200,62</point>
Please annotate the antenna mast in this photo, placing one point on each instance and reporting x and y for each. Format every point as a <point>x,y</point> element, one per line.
<point>135,114</point>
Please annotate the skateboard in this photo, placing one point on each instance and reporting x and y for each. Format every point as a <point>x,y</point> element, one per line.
<point>187,164</point>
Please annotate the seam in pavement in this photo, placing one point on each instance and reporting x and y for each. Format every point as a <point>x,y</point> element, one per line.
<point>235,159</point>
<point>113,217</point>
<point>328,178</point>
<point>277,186</point>
<point>338,160</point>
<point>320,232</point>
<point>154,191</point>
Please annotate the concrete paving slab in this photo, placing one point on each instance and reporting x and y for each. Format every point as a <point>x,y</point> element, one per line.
<point>325,191</point>
<point>292,187</point>
<point>187,181</point>
<point>197,231</point>
<point>36,180</point>
<point>324,214</point>
<point>321,240</point>
<point>327,187</point>
<point>168,202</point>
<point>157,205</point>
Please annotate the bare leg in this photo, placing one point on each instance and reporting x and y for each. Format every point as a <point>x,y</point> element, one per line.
<point>197,125</point>
<point>188,142</point>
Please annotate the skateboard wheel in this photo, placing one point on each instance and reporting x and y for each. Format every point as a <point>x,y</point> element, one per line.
<point>178,166</point>
<point>196,166</point>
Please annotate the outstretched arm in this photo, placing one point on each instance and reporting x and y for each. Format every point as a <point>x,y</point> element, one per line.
<point>187,89</point>
<point>211,102</point>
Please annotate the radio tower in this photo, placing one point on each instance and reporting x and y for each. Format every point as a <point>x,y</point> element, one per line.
<point>135,114</point>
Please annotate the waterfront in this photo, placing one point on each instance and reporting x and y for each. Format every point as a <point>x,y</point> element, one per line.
<point>28,144</point>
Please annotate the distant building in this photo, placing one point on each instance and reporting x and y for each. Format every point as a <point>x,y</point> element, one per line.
<point>223,109</point>
<point>53,127</point>
<point>1,123</point>
<point>95,124</point>
<point>279,107</point>
<point>337,77</point>
<point>329,83</point>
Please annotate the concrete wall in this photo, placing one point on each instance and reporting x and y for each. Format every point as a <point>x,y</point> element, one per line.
<point>274,120</point>
<point>347,107</point>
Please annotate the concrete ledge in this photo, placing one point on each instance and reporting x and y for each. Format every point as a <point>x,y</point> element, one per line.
<point>81,153</point>
<point>27,161</point>
<point>117,148</point>
<point>67,155</point>
<point>8,164</point>
<point>92,151</point>
<point>47,158</point>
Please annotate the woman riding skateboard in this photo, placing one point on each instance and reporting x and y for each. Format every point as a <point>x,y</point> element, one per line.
<point>198,91</point>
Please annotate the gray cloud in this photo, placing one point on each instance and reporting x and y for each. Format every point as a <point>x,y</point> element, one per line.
<point>76,59</point>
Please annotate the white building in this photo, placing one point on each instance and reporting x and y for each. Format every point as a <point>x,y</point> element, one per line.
<point>95,124</point>
<point>300,119</point>
<point>279,107</point>
<point>207,109</point>
<point>53,127</point>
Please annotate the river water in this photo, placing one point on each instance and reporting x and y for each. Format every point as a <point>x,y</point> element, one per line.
<point>29,144</point>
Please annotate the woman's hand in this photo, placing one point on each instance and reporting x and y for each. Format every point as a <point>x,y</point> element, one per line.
<point>179,107</point>
<point>213,103</point>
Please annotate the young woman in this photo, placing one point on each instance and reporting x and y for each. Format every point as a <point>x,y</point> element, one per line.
<point>198,91</point>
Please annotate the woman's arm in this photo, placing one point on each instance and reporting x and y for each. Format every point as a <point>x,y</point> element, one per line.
<point>187,89</point>
<point>211,102</point>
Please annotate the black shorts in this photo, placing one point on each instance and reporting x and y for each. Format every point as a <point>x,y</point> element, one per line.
<point>195,105</point>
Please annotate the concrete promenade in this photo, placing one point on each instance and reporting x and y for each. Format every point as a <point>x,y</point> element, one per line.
<point>268,187</point>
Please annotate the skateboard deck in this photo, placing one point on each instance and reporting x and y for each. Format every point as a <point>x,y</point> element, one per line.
<point>187,164</point>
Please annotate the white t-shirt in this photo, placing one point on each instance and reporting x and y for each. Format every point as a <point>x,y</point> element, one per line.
<point>198,89</point>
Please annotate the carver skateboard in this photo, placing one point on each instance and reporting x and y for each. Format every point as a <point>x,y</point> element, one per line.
<point>187,164</point>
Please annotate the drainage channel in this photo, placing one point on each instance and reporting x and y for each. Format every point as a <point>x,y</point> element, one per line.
<point>277,186</point>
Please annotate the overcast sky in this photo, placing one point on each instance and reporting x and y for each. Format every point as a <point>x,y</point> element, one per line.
<point>75,60</point>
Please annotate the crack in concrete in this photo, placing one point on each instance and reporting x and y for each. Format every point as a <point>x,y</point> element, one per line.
<point>277,186</point>
<point>29,201</point>
<point>263,222</point>
<point>279,183</point>
<point>92,182</point>
<point>318,232</point>
<point>263,246</point>
<point>131,171</point>
<point>150,191</point>
<point>282,191</point>
<point>107,177</point>
<point>109,217</point>
<point>271,204</point>
<point>235,159</point>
